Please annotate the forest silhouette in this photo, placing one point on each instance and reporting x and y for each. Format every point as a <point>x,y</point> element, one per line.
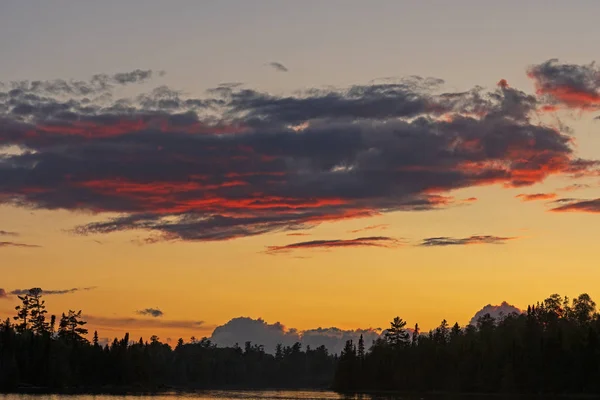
<point>553,348</point>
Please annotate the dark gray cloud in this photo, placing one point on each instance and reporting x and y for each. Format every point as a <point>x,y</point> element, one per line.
<point>15,244</point>
<point>243,329</point>
<point>570,85</point>
<point>53,292</point>
<point>242,162</point>
<point>496,312</point>
<point>371,241</point>
<point>278,66</point>
<point>8,233</point>
<point>475,239</point>
<point>98,84</point>
<point>3,294</point>
<point>152,312</point>
<point>578,205</point>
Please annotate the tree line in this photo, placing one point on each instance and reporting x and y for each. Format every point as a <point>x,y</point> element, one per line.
<point>38,352</point>
<point>554,347</point>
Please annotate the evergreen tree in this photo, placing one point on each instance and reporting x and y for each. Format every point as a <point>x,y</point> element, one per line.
<point>396,334</point>
<point>71,327</point>
<point>37,312</point>
<point>361,348</point>
<point>23,313</point>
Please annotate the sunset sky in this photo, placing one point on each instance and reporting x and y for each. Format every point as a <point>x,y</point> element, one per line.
<point>318,163</point>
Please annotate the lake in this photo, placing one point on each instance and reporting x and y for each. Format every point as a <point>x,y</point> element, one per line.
<point>201,395</point>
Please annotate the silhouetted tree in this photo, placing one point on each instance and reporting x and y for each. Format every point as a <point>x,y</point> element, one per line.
<point>71,327</point>
<point>396,334</point>
<point>37,312</point>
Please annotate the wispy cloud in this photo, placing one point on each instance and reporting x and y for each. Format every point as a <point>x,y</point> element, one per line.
<point>15,244</point>
<point>372,241</point>
<point>152,312</point>
<point>53,292</point>
<point>574,187</point>
<point>141,323</point>
<point>536,196</point>
<point>578,205</point>
<point>278,66</point>
<point>8,233</point>
<point>475,239</point>
<point>371,228</point>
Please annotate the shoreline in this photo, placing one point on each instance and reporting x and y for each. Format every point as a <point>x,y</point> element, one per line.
<point>174,391</point>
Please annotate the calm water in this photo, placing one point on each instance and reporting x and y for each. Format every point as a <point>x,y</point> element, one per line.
<point>204,395</point>
<point>254,395</point>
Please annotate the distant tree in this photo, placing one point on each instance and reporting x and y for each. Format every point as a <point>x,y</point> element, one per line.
<point>52,324</point>
<point>442,332</point>
<point>361,348</point>
<point>71,327</point>
<point>396,334</point>
<point>415,335</point>
<point>584,308</point>
<point>37,312</point>
<point>95,340</point>
<point>23,313</point>
<point>455,331</point>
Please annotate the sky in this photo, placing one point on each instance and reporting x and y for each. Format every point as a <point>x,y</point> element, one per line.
<point>170,167</point>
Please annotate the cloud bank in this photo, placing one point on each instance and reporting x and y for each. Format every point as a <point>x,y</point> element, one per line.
<point>241,162</point>
<point>243,329</point>
<point>496,312</point>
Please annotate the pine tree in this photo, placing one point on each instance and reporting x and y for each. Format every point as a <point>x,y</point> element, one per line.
<point>71,327</point>
<point>23,313</point>
<point>95,340</point>
<point>361,348</point>
<point>415,335</point>
<point>396,335</point>
<point>37,312</point>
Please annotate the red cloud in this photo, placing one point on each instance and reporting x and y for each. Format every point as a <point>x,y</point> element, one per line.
<point>536,196</point>
<point>235,164</point>
<point>567,85</point>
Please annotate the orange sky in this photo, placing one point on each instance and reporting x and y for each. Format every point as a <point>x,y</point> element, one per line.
<point>337,280</point>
